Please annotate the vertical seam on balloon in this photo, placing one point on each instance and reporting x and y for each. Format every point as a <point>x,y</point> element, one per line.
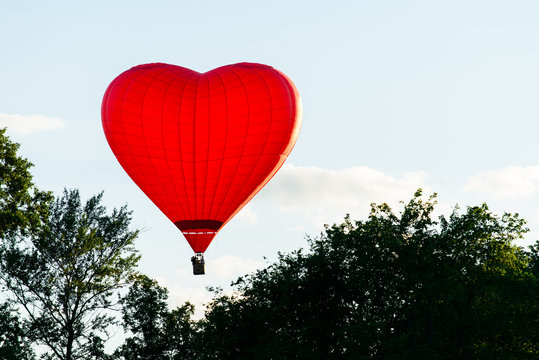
<point>179,145</point>
<point>180,148</point>
<point>104,108</point>
<point>243,148</point>
<point>293,94</point>
<point>194,145</point>
<point>163,137</point>
<point>123,122</point>
<point>208,148</point>
<point>133,80</point>
<point>142,119</point>
<point>226,138</point>
<point>237,198</point>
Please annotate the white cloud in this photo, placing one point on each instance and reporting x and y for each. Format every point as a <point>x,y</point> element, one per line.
<point>179,295</point>
<point>24,125</point>
<point>508,183</point>
<point>231,267</point>
<point>325,195</point>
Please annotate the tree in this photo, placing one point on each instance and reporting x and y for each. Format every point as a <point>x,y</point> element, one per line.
<point>22,205</point>
<point>65,272</point>
<point>14,344</point>
<point>389,287</point>
<point>158,334</point>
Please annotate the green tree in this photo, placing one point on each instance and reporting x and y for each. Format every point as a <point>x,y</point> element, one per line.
<point>391,287</point>
<point>22,205</point>
<point>158,334</point>
<point>65,272</point>
<point>14,344</point>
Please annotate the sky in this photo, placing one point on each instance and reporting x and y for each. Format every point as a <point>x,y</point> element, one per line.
<point>397,95</point>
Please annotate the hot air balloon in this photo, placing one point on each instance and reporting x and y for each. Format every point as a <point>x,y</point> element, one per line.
<point>201,145</point>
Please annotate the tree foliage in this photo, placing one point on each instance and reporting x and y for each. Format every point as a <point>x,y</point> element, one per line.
<point>394,286</point>
<point>65,272</point>
<point>158,334</point>
<point>22,205</point>
<point>389,287</point>
<point>14,345</point>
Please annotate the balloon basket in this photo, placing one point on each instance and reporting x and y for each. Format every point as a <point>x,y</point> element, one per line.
<point>198,264</point>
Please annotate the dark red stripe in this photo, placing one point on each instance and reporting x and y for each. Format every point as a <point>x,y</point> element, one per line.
<point>198,224</point>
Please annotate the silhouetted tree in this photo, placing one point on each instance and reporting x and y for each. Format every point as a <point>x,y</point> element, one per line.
<point>389,287</point>
<point>14,344</point>
<point>395,286</point>
<point>65,272</point>
<point>158,334</point>
<point>22,206</point>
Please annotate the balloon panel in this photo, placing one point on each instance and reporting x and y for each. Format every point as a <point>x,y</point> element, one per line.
<point>201,146</point>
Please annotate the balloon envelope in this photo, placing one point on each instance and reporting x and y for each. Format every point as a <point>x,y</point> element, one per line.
<point>201,145</point>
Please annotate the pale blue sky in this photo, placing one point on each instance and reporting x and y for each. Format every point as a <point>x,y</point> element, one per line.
<point>396,95</point>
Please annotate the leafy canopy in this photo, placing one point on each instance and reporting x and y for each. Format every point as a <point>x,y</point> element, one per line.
<point>157,333</point>
<point>395,286</point>
<point>65,273</point>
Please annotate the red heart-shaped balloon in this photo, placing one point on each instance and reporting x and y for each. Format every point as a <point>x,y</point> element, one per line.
<point>201,145</point>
